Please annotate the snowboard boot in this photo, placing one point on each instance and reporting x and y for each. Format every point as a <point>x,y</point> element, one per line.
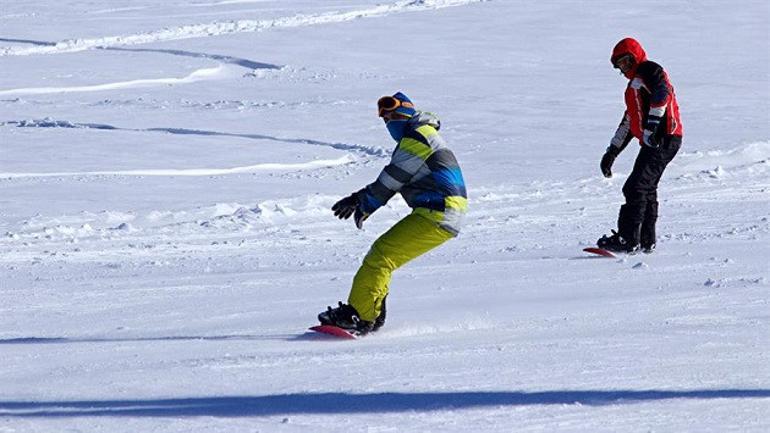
<point>647,238</point>
<point>648,249</point>
<point>617,244</point>
<point>345,317</point>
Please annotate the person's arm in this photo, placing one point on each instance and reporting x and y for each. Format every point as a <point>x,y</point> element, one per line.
<point>622,136</point>
<point>407,160</point>
<point>619,142</point>
<point>656,81</point>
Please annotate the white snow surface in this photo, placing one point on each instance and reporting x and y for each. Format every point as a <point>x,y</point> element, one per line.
<point>166,174</point>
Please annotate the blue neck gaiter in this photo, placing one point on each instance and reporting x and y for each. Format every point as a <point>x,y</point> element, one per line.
<point>397,128</point>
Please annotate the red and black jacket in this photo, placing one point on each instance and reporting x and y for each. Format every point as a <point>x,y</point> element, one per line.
<point>649,97</point>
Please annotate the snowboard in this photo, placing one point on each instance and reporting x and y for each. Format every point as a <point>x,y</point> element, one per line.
<point>600,252</point>
<point>333,331</point>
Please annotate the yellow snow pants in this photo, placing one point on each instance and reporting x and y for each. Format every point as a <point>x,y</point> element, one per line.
<point>411,237</point>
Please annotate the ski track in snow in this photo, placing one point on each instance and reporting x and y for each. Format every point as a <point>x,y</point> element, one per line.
<point>228,2</point>
<point>232,27</point>
<point>204,74</point>
<point>365,151</point>
<point>311,165</point>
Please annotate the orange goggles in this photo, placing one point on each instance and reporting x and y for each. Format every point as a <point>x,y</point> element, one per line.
<point>388,104</point>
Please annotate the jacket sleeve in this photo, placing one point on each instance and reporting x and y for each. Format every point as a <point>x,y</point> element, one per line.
<point>407,160</point>
<point>656,81</point>
<point>622,136</point>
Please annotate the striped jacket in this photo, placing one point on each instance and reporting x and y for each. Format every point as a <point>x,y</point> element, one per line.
<point>426,174</point>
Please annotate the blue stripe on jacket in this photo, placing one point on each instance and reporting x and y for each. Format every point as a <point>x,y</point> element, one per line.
<point>450,180</point>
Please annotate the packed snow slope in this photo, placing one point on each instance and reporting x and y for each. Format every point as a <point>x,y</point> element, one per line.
<point>166,174</point>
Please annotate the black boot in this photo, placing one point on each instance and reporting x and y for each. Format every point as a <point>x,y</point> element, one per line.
<point>647,239</point>
<point>347,318</point>
<point>617,244</point>
<point>630,220</point>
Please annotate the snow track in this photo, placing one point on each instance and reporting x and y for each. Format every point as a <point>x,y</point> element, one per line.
<point>311,165</point>
<point>204,74</point>
<point>233,27</point>
<point>366,151</point>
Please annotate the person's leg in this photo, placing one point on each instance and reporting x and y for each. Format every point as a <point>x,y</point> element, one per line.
<point>636,190</point>
<point>409,238</point>
<point>647,237</point>
<point>665,154</point>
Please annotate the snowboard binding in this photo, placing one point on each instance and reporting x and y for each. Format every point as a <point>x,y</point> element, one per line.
<point>346,317</point>
<point>617,244</point>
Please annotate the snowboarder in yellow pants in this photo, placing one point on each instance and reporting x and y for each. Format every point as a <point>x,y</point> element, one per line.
<point>427,175</point>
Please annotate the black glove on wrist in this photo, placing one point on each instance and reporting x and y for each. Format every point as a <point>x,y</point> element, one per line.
<point>607,160</point>
<point>652,122</point>
<point>650,127</point>
<point>348,206</point>
<point>344,208</point>
<point>360,217</point>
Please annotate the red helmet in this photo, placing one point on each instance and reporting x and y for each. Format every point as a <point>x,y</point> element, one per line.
<point>628,46</point>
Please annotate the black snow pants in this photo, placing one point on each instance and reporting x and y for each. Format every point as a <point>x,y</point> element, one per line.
<point>637,218</point>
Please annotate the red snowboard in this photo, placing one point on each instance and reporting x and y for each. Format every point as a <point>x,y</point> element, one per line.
<point>599,251</point>
<point>333,331</point>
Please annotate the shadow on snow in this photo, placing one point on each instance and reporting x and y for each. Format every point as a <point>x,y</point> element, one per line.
<point>306,336</point>
<point>246,63</point>
<point>52,123</point>
<point>66,340</point>
<point>28,41</point>
<point>346,403</point>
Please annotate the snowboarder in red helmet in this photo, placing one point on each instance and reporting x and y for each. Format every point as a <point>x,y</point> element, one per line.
<point>652,117</point>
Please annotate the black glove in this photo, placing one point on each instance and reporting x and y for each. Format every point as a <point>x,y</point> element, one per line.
<point>348,206</point>
<point>650,127</point>
<point>360,217</point>
<point>344,208</point>
<point>607,160</point>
